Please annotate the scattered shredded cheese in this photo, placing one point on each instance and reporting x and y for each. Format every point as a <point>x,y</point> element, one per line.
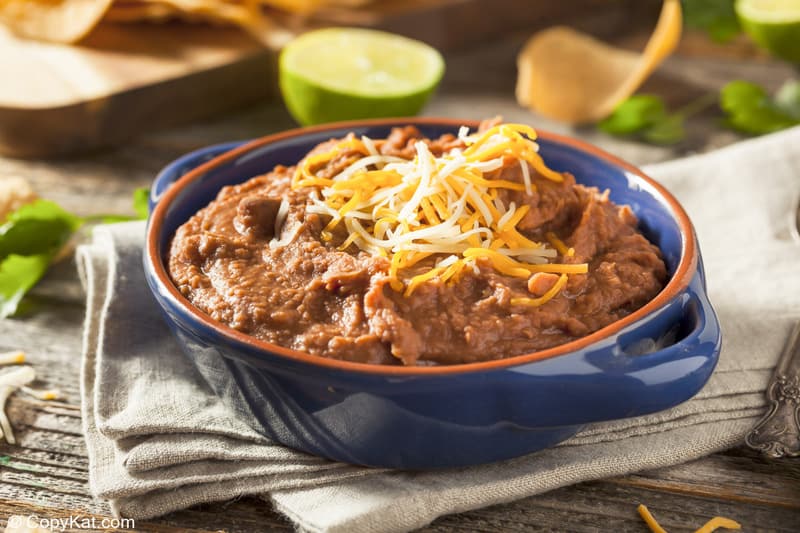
<point>10,381</point>
<point>649,519</point>
<point>17,376</point>
<point>710,526</point>
<point>12,358</point>
<point>46,394</point>
<point>13,379</point>
<point>409,209</point>
<point>718,522</point>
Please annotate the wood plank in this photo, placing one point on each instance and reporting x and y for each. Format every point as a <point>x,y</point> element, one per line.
<point>612,507</point>
<point>47,441</point>
<point>77,462</point>
<point>30,416</point>
<point>748,480</point>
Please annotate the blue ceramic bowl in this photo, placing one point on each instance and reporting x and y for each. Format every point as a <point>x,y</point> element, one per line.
<point>433,417</point>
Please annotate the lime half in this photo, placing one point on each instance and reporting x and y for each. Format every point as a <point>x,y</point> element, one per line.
<point>349,73</point>
<point>773,24</point>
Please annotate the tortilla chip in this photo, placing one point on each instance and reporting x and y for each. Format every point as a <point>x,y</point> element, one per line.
<point>139,11</point>
<point>302,7</point>
<point>61,21</point>
<point>570,76</point>
<point>246,14</point>
<point>68,21</point>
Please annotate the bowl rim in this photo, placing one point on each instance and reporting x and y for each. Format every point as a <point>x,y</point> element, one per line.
<point>680,280</point>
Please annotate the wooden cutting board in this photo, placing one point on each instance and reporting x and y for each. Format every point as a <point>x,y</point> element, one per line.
<point>121,81</point>
<point>126,79</point>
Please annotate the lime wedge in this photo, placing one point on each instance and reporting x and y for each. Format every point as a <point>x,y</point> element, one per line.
<point>773,24</point>
<point>349,73</point>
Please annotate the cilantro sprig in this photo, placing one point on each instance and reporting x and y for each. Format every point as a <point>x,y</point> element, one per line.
<point>750,109</point>
<point>645,117</point>
<point>32,236</point>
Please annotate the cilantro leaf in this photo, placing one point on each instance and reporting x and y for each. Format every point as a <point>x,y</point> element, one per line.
<point>45,210</point>
<point>715,17</point>
<point>750,109</point>
<point>634,114</point>
<point>646,116</point>
<point>38,228</point>
<point>18,274</point>
<point>29,239</point>
<point>141,197</point>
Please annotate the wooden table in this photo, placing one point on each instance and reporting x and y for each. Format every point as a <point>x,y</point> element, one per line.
<point>46,474</point>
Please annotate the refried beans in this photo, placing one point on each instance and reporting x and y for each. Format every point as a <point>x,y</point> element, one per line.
<point>260,260</point>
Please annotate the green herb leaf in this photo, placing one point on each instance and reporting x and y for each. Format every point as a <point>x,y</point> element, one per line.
<point>29,239</point>
<point>749,108</point>
<point>141,197</point>
<point>18,274</point>
<point>646,116</point>
<point>38,228</point>
<point>638,112</point>
<point>44,210</point>
<point>716,17</point>
<point>32,236</point>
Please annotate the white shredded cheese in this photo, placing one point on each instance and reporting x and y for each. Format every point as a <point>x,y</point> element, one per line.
<point>449,204</point>
<point>11,380</point>
<point>12,358</point>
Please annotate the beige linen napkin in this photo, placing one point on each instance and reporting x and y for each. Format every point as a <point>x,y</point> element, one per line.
<point>159,440</point>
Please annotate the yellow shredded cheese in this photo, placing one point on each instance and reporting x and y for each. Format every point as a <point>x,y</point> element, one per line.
<point>535,302</point>
<point>411,209</point>
<point>718,522</point>
<point>710,526</point>
<point>558,244</point>
<point>648,518</point>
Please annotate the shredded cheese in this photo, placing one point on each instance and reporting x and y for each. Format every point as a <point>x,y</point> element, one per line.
<point>649,519</point>
<point>410,209</point>
<point>12,358</point>
<point>39,394</point>
<point>535,302</point>
<point>710,526</point>
<point>557,243</point>
<point>718,522</point>
<point>10,381</point>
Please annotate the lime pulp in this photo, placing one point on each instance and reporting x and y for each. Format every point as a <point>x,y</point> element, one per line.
<point>349,73</point>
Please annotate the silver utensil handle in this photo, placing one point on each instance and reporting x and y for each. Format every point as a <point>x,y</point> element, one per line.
<point>778,433</point>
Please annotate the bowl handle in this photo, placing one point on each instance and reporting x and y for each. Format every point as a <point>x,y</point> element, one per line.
<point>648,380</point>
<point>616,378</point>
<point>184,164</point>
